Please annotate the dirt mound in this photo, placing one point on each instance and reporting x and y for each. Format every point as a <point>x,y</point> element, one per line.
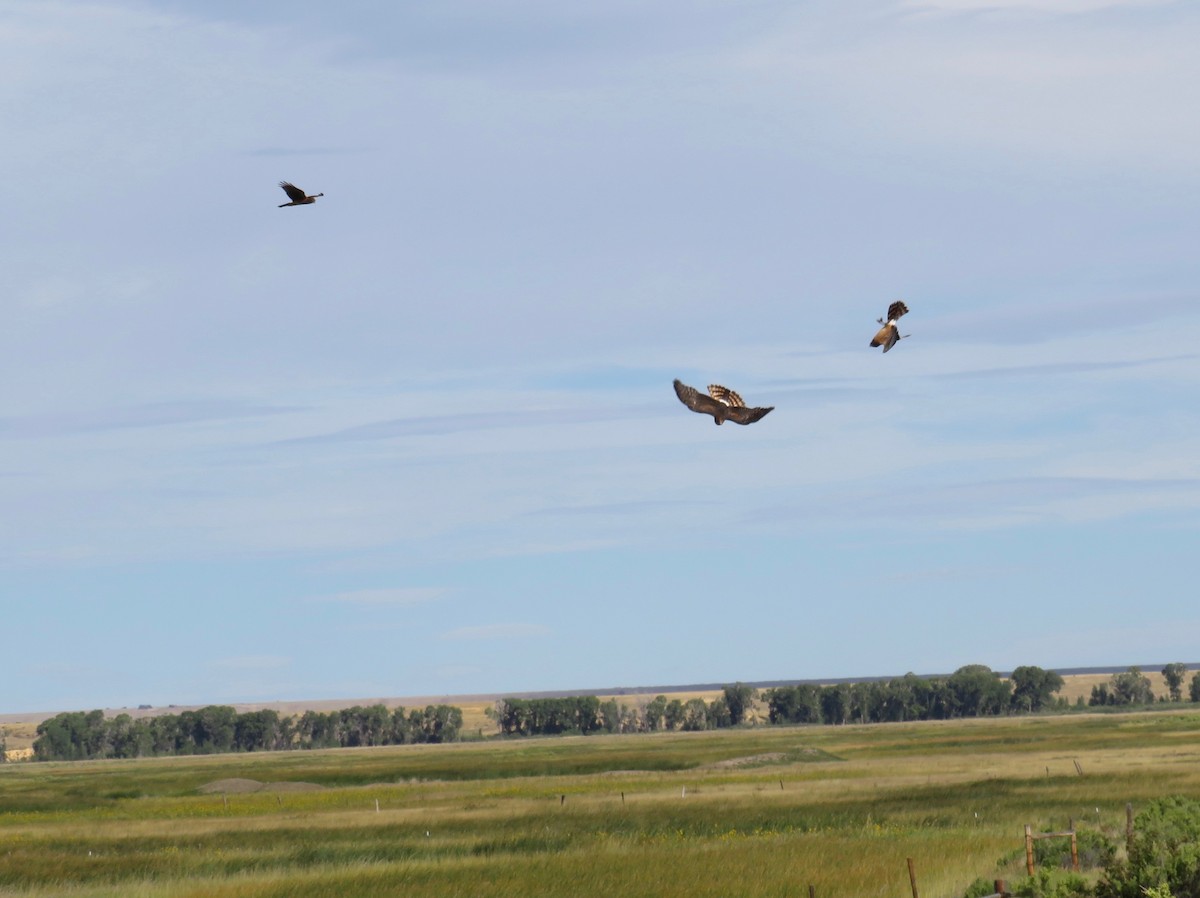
<point>770,757</point>
<point>238,786</point>
<point>232,786</point>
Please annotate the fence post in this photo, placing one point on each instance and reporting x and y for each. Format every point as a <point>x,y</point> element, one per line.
<point>1001,887</point>
<point>1029,848</point>
<point>1074,849</point>
<point>912,877</point>
<point>812,891</point>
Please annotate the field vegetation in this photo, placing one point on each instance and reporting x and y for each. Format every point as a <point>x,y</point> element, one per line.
<point>754,811</point>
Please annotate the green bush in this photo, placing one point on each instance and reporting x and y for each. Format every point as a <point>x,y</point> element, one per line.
<point>1095,850</point>
<point>1053,884</point>
<point>980,888</point>
<point>1164,855</point>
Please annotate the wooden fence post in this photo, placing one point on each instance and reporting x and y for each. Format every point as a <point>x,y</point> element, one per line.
<point>812,891</point>
<point>1001,887</point>
<point>1029,848</point>
<point>1074,849</point>
<point>912,877</point>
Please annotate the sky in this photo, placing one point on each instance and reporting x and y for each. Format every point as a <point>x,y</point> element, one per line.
<point>419,438</point>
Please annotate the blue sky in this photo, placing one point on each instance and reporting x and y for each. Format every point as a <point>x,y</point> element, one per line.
<point>420,438</point>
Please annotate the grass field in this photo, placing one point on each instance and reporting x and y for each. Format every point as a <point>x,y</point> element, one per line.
<point>752,812</point>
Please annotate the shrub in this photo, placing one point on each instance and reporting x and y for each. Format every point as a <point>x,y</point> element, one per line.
<point>1095,850</point>
<point>980,888</point>
<point>1053,884</point>
<point>1164,855</point>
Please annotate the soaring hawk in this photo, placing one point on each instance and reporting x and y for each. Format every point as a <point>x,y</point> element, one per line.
<point>296,195</point>
<point>889,334</point>
<point>722,403</point>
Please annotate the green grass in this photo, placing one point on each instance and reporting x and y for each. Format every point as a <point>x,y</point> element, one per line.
<point>757,812</point>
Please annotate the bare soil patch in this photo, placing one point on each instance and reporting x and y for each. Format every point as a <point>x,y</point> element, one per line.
<point>240,786</point>
<point>770,757</point>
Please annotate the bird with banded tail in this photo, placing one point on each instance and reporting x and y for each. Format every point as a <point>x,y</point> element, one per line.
<point>889,334</point>
<point>296,195</point>
<point>721,402</point>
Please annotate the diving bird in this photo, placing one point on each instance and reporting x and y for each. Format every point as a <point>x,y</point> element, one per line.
<point>889,334</point>
<point>722,403</point>
<point>296,195</point>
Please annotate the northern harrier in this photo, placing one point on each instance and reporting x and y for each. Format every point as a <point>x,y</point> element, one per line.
<point>889,334</point>
<point>296,195</point>
<point>723,404</point>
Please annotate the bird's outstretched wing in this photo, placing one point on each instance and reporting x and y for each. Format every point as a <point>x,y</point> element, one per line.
<point>697,401</point>
<point>896,309</point>
<point>743,415</point>
<point>725,396</point>
<point>722,403</point>
<point>295,194</point>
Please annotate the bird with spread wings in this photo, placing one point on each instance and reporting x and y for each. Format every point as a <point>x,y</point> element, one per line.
<point>296,195</point>
<point>889,334</point>
<point>722,403</point>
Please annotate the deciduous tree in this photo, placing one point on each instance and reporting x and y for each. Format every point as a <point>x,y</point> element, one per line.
<point>1033,688</point>
<point>1173,674</point>
<point>739,699</point>
<point>1131,688</point>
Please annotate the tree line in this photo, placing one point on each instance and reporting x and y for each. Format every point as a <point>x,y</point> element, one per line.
<point>1132,687</point>
<point>586,714</point>
<point>971,691</point>
<point>216,729</point>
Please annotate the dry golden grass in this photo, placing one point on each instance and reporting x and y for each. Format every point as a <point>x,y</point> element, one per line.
<point>1081,684</point>
<point>660,815</point>
<point>19,735</point>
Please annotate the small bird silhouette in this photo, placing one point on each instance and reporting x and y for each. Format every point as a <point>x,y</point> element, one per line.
<point>722,403</point>
<point>296,195</point>
<point>889,334</point>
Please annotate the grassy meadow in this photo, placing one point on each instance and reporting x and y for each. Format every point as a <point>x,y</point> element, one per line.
<point>749,812</point>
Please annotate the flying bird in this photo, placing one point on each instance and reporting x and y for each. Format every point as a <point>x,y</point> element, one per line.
<point>722,403</point>
<point>889,334</point>
<point>296,195</point>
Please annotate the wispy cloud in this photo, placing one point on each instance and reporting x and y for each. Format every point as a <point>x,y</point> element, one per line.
<point>252,662</point>
<point>1001,502</point>
<point>306,151</point>
<point>497,631</point>
<point>1054,368</point>
<point>976,573</point>
<point>458,423</point>
<point>1023,322</point>
<point>1047,7</point>
<point>620,508</point>
<point>157,414</point>
<point>385,597</point>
